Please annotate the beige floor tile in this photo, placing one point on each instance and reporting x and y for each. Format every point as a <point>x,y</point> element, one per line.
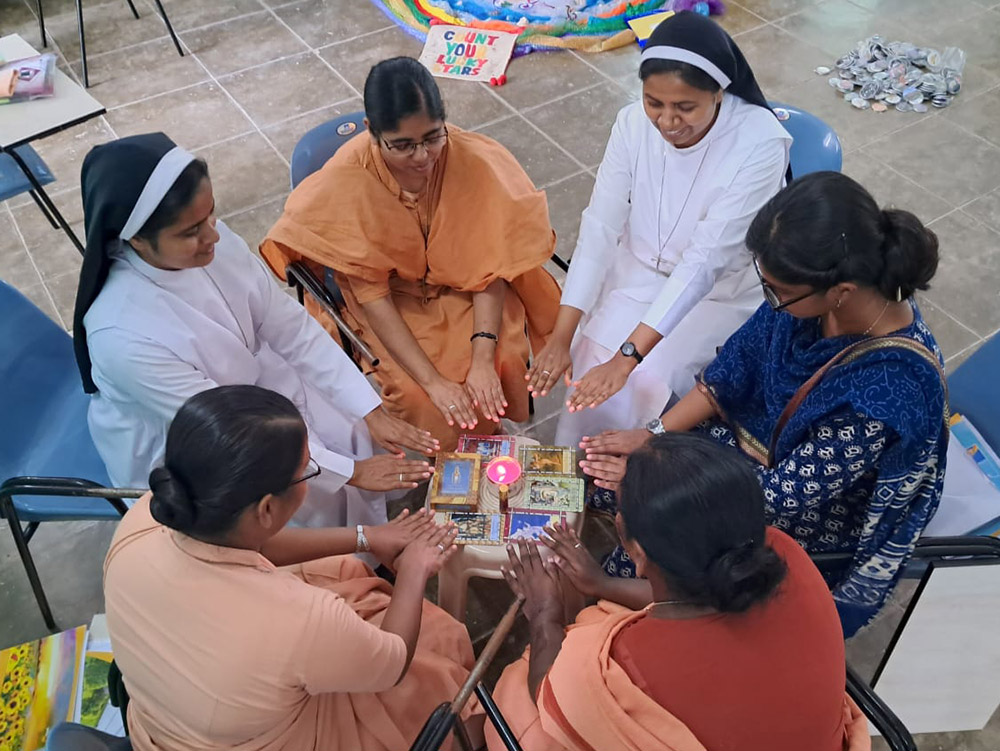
<point>283,89</point>
<point>16,18</point>
<point>620,63</point>
<point>231,163</point>
<point>64,153</point>
<point>107,27</point>
<point>968,279</point>
<point>738,19</point>
<point>16,267</point>
<point>570,121</point>
<point>891,189</point>
<point>543,76</point>
<point>567,200</point>
<point>254,224</point>
<point>979,115</point>
<point>928,152</point>
<point>986,209</point>
<point>952,337</point>
<point>772,10</point>
<point>124,76</point>
<point>286,134</point>
<point>320,23</point>
<point>192,117</point>
<point>52,251</point>
<point>833,26</point>
<point>543,162</point>
<point>916,15</point>
<point>188,14</point>
<point>63,290</point>
<point>242,42</point>
<point>979,36</point>
<point>773,70</point>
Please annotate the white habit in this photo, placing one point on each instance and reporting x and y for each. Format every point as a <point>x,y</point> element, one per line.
<point>662,243</point>
<point>158,337</point>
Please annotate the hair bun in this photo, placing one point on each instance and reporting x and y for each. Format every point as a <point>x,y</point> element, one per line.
<point>171,504</point>
<point>743,575</point>
<point>910,251</point>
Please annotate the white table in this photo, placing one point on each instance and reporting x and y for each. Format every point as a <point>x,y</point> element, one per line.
<point>24,122</point>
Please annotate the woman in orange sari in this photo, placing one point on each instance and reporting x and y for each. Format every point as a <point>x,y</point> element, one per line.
<point>437,239</point>
<point>731,642</point>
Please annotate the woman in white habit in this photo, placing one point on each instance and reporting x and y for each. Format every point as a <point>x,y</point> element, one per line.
<point>660,277</point>
<point>171,303</point>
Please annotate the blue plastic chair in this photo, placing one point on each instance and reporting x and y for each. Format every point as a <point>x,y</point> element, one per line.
<point>13,181</point>
<point>974,391</point>
<point>50,467</point>
<point>816,147</point>
<point>319,144</point>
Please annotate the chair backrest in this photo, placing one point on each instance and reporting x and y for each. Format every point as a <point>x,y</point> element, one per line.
<point>974,391</point>
<point>69,736</point>
<point>43,409</point>
<point>319,144</point>
<point>12,179</point>
<point>816,147</point>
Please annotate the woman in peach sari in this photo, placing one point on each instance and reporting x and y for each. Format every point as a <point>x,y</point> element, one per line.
<point>437,239</point>
<point>731,642</point>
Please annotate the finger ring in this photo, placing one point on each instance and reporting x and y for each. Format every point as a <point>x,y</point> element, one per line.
<point>578,545</point>
<point>440,547</point>
<point>545,372</point>
<point>452,406</point>
<point>400,476</point>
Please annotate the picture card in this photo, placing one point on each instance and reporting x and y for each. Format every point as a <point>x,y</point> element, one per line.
<point>466,53</point>
<point>477,529</point>
<point>555,460</point>
<point>552,493</point>
<point>487,446</point>
<point>456,480</point>
<point>525,525</point>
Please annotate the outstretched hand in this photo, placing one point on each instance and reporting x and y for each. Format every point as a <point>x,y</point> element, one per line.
<point>599,384</point>
<point>572,558</point>
<point>535,580</point>
<point>395,435</point>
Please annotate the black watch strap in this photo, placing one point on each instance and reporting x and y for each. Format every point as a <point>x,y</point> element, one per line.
<point>483,335</point>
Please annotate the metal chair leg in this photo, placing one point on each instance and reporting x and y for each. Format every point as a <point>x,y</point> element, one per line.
<point>10,514</point>
<point>170,28</point>
<point>44,209</point>
<point>41,22</point>
<point>83,43</point>
<point>37,186</point>
<point>131,6</point>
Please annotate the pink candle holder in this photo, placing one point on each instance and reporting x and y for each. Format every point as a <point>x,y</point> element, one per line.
<point>504,470</point>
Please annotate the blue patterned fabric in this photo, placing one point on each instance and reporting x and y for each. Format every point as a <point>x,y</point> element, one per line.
<point>860,465</point>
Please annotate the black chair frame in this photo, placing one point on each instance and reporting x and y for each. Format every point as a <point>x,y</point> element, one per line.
<point>50,486</point>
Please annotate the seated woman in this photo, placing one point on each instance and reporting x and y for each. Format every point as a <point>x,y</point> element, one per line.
<point>437,239</point>
<point>172,303</point>
<point>733,643</point>
<point>834,389</point>
<point>234,632</point>
<point>660,277</point>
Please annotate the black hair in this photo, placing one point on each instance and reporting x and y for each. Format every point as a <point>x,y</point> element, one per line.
<point>697,510</point>
<point>824,228</point>
<point>694,77</point>
<point>227,448</point>
<point>180,195</point>
<point>397,88</point>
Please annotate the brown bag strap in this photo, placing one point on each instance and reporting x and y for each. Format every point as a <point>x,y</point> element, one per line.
<point>858,348</point>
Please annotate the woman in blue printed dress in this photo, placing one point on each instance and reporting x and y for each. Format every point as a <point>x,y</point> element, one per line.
<point>834,388</point>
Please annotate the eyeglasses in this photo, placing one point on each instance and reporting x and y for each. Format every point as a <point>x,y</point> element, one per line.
<point>409,149</point>
<point>772,297</point>
<point>312,470</point>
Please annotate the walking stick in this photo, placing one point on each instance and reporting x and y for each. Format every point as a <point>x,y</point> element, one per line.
<point>443,720</point>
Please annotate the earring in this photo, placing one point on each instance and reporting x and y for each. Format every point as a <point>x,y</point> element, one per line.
<point>899,294</point>
<point>839,300</point>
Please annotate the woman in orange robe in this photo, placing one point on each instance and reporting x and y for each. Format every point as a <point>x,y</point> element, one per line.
<point>437,238</point>
<point>731,642</point>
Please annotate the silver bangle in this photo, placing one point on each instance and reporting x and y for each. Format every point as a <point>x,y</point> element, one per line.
<point>363,545</point>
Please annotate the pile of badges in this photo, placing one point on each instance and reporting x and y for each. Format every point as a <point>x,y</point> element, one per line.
<point>877,75</point>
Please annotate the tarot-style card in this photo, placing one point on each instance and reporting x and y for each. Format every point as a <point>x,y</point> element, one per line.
<point>549,460</point>
<point>552,493</point>
<point>487,446</point>
<point>455,482</point>
<point>477,529</point>
<point>524,525</point>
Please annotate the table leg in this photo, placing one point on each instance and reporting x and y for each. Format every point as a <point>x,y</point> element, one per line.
<point>83,43</point>
<point>170,28</point>
<point>131,7</point>
<point>44,209</point>
<point>41,22</point>
<point>37,186</point>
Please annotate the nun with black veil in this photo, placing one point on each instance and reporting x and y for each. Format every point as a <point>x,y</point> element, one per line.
<point>661,276</point>
<point>171,303</point>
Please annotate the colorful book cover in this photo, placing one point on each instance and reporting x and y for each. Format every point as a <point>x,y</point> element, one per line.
<point>38,689</point>
<point>524,525</point>
<point>552,493</point>
<point>94,708</point>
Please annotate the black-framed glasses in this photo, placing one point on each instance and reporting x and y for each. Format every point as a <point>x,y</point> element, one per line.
<point>772,297</point>
<point>409,149</point>
<point>312,470</point>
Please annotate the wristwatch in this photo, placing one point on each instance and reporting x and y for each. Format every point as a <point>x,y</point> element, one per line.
<point>628,349</point>
<point>363,545</point>
<point>655,426</point>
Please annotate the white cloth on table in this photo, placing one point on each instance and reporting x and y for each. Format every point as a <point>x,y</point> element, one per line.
<point>157,337</point>
<point>663,243</point>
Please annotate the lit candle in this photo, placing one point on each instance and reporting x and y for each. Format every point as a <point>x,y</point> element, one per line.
<point>504,470</point>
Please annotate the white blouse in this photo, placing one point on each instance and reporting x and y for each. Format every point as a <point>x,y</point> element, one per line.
<point>158,337</point>
<point>666,225</point>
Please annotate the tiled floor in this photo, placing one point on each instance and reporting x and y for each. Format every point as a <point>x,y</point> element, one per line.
<point>263,72</point>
